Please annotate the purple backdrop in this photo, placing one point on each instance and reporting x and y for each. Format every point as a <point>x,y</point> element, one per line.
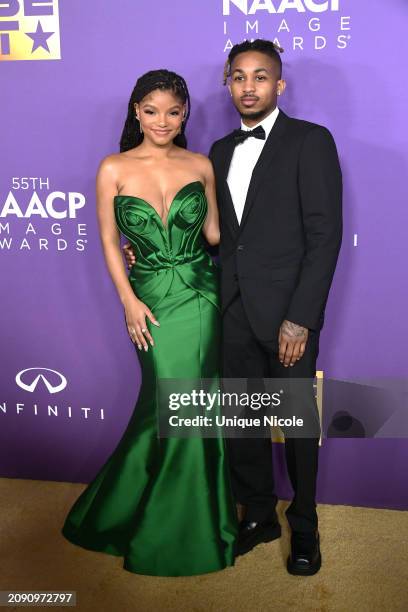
<point>59,117</point>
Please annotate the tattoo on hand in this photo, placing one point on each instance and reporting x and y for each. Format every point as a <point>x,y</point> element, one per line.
<point>293,330</point>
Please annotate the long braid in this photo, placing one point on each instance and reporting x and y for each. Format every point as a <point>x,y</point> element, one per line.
<point>154,79</point>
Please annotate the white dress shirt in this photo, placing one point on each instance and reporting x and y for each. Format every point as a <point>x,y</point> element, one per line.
<point>243,161</point>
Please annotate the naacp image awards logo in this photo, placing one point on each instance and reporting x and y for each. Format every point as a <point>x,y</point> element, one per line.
<point>295,25</point>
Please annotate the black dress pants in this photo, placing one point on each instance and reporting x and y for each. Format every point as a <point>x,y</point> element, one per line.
<point>245,356</point>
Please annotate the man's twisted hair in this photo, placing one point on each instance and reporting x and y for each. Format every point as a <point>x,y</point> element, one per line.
<point>148,82</point>
<point>263,46</point>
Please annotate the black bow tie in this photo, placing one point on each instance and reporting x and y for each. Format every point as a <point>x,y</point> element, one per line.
<point>241,135</point>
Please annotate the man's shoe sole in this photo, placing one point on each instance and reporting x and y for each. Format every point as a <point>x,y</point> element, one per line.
<point>267,535</point>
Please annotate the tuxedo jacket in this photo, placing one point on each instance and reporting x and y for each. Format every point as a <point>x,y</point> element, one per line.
<point>283,254</point>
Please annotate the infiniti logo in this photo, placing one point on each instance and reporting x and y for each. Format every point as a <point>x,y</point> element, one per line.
<point>31,386</point>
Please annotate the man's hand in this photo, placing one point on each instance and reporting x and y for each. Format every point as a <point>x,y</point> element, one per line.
<point>129,254</point>
<point>292,342</point>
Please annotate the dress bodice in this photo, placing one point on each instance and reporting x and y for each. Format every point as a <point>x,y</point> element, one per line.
<point>163,250</point>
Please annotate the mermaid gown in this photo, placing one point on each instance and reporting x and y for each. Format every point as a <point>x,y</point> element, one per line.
<point>165,504</point>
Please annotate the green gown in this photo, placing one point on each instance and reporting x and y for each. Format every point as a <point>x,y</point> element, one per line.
<point>165,504</point>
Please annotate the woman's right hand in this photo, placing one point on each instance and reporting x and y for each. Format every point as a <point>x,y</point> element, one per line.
<point>129,254</point>
<point>135,313</point>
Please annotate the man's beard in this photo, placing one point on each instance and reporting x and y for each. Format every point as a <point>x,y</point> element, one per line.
<point>255,115</point>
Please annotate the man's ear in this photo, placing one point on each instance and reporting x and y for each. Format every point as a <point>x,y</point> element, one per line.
<point>281,86</point>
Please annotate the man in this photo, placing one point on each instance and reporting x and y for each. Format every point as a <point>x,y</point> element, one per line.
<point>279,193</point>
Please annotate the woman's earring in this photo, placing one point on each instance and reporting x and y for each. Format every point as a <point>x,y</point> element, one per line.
<point>140,125</point>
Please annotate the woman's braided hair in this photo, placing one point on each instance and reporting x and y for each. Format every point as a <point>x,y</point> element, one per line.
<point>264,46</point>
<point>152,80</point>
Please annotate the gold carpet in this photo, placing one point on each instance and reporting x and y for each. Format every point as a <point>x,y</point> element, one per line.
<point>365,563</point>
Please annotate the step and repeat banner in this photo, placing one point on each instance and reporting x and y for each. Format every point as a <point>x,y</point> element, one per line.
<point>69,372</point>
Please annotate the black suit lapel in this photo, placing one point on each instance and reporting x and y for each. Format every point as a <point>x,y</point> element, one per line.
<point>262,166</point>
<point>223,173</point>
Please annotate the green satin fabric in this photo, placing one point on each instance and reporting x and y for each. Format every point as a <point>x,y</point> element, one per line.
<point>165,504</point>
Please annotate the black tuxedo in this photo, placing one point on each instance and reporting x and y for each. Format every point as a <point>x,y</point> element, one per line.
<point>277,264</point>
<point>283,254</point>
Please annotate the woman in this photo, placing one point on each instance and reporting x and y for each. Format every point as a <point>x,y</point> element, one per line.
<point>164,504</point>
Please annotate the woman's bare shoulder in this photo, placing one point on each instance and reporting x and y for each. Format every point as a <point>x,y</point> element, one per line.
<point>199,160</point>
<point>113,163</point>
